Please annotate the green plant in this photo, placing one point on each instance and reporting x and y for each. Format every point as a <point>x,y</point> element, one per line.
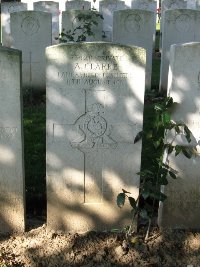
<point>86,21</point>
<point>158,170</point>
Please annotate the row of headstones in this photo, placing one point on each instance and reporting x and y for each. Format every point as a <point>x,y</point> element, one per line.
<point>106,9</point>
<point>95,99</point>
<point>31,33</point>
<point>143,4</point>
<point>80,4</point>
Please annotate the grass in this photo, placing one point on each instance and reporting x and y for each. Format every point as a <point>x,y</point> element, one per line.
<point>35,153</point>
<point>35,142</point>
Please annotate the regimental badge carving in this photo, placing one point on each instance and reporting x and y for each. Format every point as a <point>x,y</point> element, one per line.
<point>132,23</point>
<point>30,25</point>
<point>96,133</point>
<point>182,23</point>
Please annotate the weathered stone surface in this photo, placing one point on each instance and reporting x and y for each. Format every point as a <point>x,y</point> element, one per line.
<point>191,4</point>
<point>136,27</point>
<point>12,204</point>
<point>70,21</point>
<point>31,33</point>
<point>77,5</point>
<point>171,4</point>
<point>144,4</point>
<point>53,8</point>
<point>95,95</point>
<point>180,26</point>
<point>181,209</point>
<point>6,9</point>
<point>106,8</point>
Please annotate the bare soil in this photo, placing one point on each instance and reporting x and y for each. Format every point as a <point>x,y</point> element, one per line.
<point>41,248</point>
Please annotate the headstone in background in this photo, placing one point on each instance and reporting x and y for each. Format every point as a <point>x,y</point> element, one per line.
<point>106,8</point>
<point>77,5</point>
<point>150,5</point>
<point>70,21</point>
<point>31,33</point>
<point>191,4</point>
<point>198,4</point>
<point>171,4</point>
<point>137,28</point>
<point>181,208</point>
<point>12,197</point>
<point>53,8</point>
<point>180,26</point>
<point>95,94</point>
<point>6,9</point>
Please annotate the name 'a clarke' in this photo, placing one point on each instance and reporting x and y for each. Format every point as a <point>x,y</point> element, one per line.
<point>96,66</point>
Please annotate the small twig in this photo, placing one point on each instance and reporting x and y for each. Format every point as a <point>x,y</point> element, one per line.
<point>148,231</point>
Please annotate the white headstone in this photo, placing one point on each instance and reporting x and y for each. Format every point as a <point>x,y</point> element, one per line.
<point>12,198</point>
<point>95,94</point>
<point>136,27</point>
<point>180,26</point>
<point>106,8</point>
<point>191,4</point>
<point>71,21</point>
<point>171,4</point>
<point>6,9</point>
<point>31,33</point>
<point>150,5</point>
<point>181,209</point>
<point>198,4</point>
<point>53,8</point>
<point>77,5</point>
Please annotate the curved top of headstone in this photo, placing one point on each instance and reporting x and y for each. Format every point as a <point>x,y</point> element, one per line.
<point>130,11</point>
<point>98,43</point>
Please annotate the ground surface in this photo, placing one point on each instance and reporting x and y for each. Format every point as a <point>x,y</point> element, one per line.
<point>41,248</point>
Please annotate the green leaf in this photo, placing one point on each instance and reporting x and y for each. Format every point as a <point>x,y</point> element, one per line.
<point>138,137</point>
<point>187,133</point>
<point>156,144</point>
<point>166,117</point>
<point>158,107</point>
<point>165,165</point>
<point>169,102</point>
<point>159,196</point>
<point>132,202</point>
<point>172,174</point>
<point>178,150</point>
<point>187,153</point>
<point>121,200</point>
<point>170,149</point>
<point>177,129</point>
